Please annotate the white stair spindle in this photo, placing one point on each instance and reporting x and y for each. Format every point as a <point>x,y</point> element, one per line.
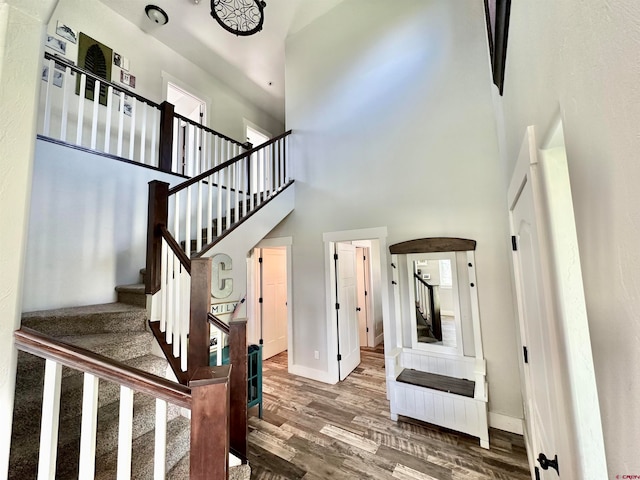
<point>199,218</point>
<point>228,196</point>
<point>187,224</point>
<point>236,185</point>
<point>132,128</point>
<point>125,433</point>
<point>252,179</point>
<point>80,125</point>
<point>49,422</point>
<point>176,161</point>
<point>155,126</point>
<point>94,119</point>
<point>160,444</point>
<point>261,180</point>
<point>219,212</point>
<point>177,307</point>
<point>169,294</point>
<point>120,124</point>
<point>276,165</point>
<point>89,427</point>
<point>210,209</point>
<point>163,286</point>
<point>65,104</point>
<point>184,318</point>
<point>286,160</point>
<point>143,132</point>
<point>47,99</point>
<point>243,183</point>
<point>107,126</point>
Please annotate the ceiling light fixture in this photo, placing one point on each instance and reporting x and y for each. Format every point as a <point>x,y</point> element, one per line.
<point>156,14</point>
<point>240,17</point>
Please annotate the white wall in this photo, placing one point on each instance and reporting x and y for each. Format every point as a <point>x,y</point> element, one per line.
<point>149,58</point>
<point>380,103</point>
<point>87,227</point>
<point>579,60</point>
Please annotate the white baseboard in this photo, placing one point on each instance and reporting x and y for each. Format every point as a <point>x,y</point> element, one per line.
<point>506,423</point>
<point>312,373</point>
<point>378,340</point>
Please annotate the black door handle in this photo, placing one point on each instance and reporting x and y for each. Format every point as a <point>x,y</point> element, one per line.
<point>545,462</point>
<point>357,309</point>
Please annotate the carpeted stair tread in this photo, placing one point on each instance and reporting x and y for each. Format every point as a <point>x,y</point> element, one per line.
<point>104,318</point>
<point>178,431</point>
<point>114,345</point>
<point>133,288</point>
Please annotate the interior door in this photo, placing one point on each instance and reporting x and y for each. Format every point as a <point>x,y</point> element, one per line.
<point>346,298</point>
<point>362,296</point>
<point>274,301</point>
<point>534,330</point>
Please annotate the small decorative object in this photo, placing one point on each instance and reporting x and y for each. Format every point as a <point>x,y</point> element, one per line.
<point>56,44</point>
<point>156,14</point>
<point>66,32</point>
<point>120,61</point>
<point>127,79</point>
<point>240,17</point>
<point>94,57</point>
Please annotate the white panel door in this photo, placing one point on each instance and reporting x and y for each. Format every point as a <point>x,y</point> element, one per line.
<point>274,301</point>
<point>348,329</point>
<point>535,332</point>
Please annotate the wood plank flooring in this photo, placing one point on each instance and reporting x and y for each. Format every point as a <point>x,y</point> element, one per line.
<point>314,431</point>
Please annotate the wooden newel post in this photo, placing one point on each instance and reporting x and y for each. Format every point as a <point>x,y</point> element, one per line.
<point>238,358</point>
<point>166,137</point>
<point>157,215</point>
<point>209,454</point>
<point>200,306</point>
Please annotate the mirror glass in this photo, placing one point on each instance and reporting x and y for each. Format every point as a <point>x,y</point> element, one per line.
<point>434,299</point>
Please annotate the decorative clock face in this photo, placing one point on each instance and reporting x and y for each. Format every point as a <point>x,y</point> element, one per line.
<point>240,17</point>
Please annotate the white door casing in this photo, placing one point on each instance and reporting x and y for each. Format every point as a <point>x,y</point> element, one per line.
<point>558,380</point>
<point>347,319</point>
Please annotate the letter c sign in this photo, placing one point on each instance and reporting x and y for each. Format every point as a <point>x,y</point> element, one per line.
<point>221,285</point>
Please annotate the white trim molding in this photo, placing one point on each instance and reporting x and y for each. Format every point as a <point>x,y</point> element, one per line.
<point>506,423</point>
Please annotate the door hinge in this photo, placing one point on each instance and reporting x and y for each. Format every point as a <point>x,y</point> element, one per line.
<point>514,243</point>
<point>537,471</point>
<point>337,306</point>
<point>367,329</point>
<point>339,357</point>
<point>525,353</point>
<point>260,260</point>
<point>366,293</point>
<point>335,256</point>
<point>260,300</point>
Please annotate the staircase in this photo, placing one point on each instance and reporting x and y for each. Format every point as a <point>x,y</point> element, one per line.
<point>118,331</point>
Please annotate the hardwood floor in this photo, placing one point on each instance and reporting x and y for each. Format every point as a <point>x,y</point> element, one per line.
<point>314,431</point>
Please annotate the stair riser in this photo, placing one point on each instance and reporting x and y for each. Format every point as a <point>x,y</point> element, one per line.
<point>136,299</point>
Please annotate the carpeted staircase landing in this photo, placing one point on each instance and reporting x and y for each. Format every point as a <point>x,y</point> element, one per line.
<point>118,331</point>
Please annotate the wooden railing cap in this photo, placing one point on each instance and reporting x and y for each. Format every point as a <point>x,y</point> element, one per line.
<point>210,375</point>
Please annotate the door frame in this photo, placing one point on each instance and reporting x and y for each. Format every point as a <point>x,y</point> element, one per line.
<point>377,235</point>
<point>253,284</point>
<point>545,166</point>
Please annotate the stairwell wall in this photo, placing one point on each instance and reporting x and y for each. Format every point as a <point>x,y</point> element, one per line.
<point>379,104</point>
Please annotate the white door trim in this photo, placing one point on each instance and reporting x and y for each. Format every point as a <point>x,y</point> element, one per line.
<point>378,234</point>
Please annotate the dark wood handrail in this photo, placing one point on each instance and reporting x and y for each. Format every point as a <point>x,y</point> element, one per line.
<point>224,165</point>
<point>429,286</point>
<point>208,130</point>
<point>79,358</point>
<point>184,260</point>
<point>93,76</point>
<point>219,324</point>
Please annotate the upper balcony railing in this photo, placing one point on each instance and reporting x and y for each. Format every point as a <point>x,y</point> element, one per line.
<point>125,124</point>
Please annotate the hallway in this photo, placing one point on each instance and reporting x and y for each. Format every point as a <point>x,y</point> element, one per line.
<point>314,431</point>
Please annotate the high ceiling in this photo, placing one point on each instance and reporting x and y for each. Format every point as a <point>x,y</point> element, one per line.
<point>253,66</point>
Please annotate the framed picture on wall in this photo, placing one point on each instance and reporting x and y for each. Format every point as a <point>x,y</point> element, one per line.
<point>497,17</point>
<point>96,58</point>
